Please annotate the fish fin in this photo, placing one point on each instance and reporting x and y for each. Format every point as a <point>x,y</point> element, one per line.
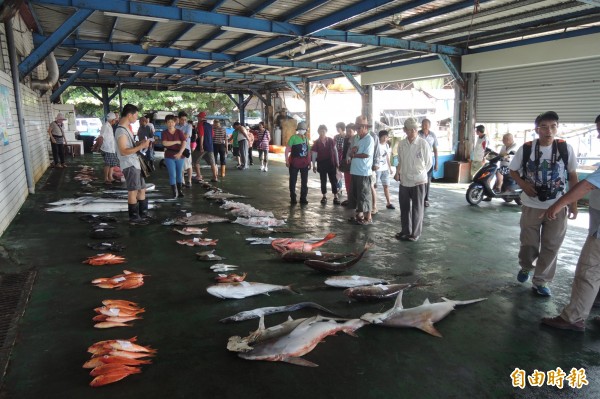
<point>261,323</point>
<point>464,302</point>
<point>398,303</point>
<point>428,327</point>
<point>426,302</point>
<point>298,361</point>
<point>290,318</point>
<point>289,288</point>
<point>351,333</point>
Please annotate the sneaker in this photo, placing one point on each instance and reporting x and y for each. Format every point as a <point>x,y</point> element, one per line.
<point>390,206</point>
<point>559,322</point>
<point>413,238</point>
<point>262,168</point>
<point>522,276</point>
<point>266,168</point>
<point>541,290</point>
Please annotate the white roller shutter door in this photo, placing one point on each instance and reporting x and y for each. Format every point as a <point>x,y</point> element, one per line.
<point>571,88</point>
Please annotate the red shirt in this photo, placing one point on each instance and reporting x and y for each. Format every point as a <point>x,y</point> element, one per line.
<point>327,151</point>
<point>177,135</point>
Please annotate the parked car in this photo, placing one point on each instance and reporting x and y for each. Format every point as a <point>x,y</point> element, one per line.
<point>87,127</point>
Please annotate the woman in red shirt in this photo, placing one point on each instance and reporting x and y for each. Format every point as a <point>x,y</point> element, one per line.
<point>326,161</point>
<point>174,142</point>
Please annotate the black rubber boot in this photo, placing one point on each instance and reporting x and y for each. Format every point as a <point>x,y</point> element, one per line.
<point>134,216</point>
<point>179,192</point>
<point>174,190</point>
<point>144,209</point>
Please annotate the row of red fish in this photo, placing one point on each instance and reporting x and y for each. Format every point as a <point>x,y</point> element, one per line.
<point>198,242</point>
<point>126,281</point>
<point>116,313</point>
<point>115,359</point>
<point>104,259</point>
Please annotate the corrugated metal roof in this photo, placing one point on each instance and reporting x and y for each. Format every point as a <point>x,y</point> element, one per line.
<point>439,21</point>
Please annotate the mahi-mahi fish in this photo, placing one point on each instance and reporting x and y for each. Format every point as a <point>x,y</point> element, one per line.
<point>244,289</point>
<point>259,312</point>
<point>422,317</point>
<point>336,267</point>
<point>300,341</point>
<point>353,281</point>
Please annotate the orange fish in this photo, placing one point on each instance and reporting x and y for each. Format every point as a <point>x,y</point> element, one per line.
<point>111,368</point>
<point>104,259</point>
<point>109,359</point>
<point>230,278</point>
<point>285,244</point>
<point>201,242</point>
<point>130,355</point>
<point>105,379</point>
<point>111,324</point>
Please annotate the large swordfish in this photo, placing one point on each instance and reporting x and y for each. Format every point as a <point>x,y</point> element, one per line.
<point>422,317</point>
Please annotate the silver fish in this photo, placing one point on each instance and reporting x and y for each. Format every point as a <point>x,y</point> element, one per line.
<point>353,281</point>
<point>95,207</point>
<point>300,341</point>
<point>378,291</point>
<point>208,255</point>
<point>244,289</point>
<point>259,221</point>
<point>239,344</point>
<point>221,195</point>
<point>194,220</point>
<point>149,187</point>
<point>422,317</point>
<point>260,312</point>
<point>187,231</point>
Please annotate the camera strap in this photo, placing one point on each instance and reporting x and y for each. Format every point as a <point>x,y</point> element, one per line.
<point>538,154</point>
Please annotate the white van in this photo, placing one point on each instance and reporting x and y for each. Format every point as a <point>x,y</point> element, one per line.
<point>88,126</point>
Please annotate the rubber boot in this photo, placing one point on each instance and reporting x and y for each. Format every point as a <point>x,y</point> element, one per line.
<point>174,190</point>
<point>143,207</point>
<point>179,192</point>
<point>222,170</point>
<point>134,216</point>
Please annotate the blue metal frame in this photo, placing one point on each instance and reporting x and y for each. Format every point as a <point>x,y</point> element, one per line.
<point>64,68</point>
<point>387,13</point>
<point>347,13</point>
<point>296,89</point>
<point>355,83</point>
<point>166,82</point>
<point>325,77</point>
<point>66,84</point>
<point>454,67</point>
<point>56,38</point>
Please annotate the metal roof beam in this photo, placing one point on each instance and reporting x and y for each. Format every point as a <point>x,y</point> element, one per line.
<point>342,15</point>
<point>180,71</point>
<point>167,82</point>
<point>51,42</point>
<point>99,97</point>
<point>325,77</point>
<point>387,13</point>
<point>355,83</point>
<point>303,9</point>
<point>453,65</point>
<point>64,68</point>
<point>66,84</point>
<point>296,89</point>
<point>233,100</point>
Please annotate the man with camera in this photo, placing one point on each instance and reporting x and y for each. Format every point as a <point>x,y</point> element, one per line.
<point>540,167</point>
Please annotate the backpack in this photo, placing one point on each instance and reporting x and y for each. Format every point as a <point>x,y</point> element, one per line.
<point>561,146</point>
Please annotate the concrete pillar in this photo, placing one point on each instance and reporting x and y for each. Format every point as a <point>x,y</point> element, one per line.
<point>106,101</point>
<point>367,104</point>
<point>465,103</point>
<point>307,103</point>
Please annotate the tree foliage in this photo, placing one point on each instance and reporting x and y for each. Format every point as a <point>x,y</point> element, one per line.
<point>87,105</point>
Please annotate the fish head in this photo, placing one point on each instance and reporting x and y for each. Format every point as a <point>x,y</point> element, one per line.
<point>373,318</point>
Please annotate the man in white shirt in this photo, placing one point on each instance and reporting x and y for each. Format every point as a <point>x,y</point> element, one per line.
<point>414,161</point>
<point>382,175</point>
<point>431,138</point>
<point>481,144</point>
<point>108,148</point>
<point>543,178</point>
<point>186,128</point>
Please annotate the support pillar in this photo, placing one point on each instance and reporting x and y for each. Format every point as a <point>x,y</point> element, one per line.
<point>241,108</point>
<point>367,104</point>
<point>105,101</point>
<point>307,103</point>
<point>466,117</point>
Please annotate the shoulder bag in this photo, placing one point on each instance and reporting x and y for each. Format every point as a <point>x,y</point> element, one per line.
<point>146,165</point>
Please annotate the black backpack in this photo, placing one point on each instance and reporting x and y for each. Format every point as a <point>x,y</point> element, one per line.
<point>561,146</point>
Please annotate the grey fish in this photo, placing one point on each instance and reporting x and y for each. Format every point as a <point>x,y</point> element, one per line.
<point>239,344</point>
<point>208,255</point>
<point>259,312</point>
<point>375,292</point>
<point>422,317</point>
<point>107,246</point>
<point>194,220</point>
<point>353,281</point>
<point>271,230</point>
<point>336,267</point>
<point>301,256</point>
<point>244,289</point>
<point>98,218</point>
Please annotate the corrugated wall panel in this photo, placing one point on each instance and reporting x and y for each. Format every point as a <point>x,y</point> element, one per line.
<point>572,89</point>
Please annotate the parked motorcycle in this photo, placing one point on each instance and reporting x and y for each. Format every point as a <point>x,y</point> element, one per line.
<point>485,178</point>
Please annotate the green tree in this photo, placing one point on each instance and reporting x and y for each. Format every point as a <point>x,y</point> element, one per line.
<point>87,105</point>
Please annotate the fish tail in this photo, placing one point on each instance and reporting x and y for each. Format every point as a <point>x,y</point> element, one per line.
<point>289,288</point>
<point>464,302</point>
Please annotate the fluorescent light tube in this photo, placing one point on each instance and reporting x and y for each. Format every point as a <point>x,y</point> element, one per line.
<point>132,16</point>
<point>339,43</point>
<point>252,31</point>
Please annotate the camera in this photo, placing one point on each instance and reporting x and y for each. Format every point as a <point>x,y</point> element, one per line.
<point>544,193</point>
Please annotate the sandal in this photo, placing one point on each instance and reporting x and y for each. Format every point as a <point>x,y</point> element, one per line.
<point>324,200</point>
<point>390,206</point>
<point>336,201</point>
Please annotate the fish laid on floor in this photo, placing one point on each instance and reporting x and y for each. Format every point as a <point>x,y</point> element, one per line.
<point>295,255</point>
<point>269,240</point>
<point>198,242</point>
<point>98,218</point>
<point>300,341</point>
<point>103,234</point>
<point>149,187</point>
<point>103,226</point>
<point>259,221</point>
<point>188,231</point>
<point>115,313</point>
<point>245,210</point>
<point>126,281</point>
<point>111,361</point>
<point>104,259</point>
<point>260,312</point>
<point>208,256</point>
<point>353,281</point>
<point>336,267</point>
<point>274,230</point>
<point>286,244</point>
<point>221,195</point>
<point>378,291</point>
<point>95,207</point>
<point>194,220</point>
<point>222,267</point>
<point>244,289</point>
<point>422,317</point>
<point>106,246</point>
<point>261,334</point>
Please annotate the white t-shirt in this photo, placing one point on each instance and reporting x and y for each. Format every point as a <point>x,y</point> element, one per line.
<point>108,138</point>
<point>187,130</point>
<point>384,151</point>
<point>554,178</point>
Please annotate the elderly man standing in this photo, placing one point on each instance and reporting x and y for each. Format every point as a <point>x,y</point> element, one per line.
<point>431,138</point>
<point>414,161</point>
<point>108,147</point>
<point>361,167</point>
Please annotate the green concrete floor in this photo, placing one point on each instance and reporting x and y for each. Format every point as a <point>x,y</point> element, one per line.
<point>465,252</point>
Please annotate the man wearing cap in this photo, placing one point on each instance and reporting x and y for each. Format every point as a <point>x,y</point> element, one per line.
<point>481,144</point>
<point>414,162</point>
<point>56,131</point>
<point>108,148</point>
<point>540,168</point>
<point>186,128</point>
<point>431,138</point>
<point>204,148</point>
<point>361,168</point>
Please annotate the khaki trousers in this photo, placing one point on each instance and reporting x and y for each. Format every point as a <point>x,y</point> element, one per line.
<point>540,242</point>
<point>586,282</point>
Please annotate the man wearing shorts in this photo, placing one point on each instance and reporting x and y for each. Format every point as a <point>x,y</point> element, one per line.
<point>186,128</point>
<point>108,149</point>
<point>204,149</point>
<point>383,173</point>
<point>130,165</point>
